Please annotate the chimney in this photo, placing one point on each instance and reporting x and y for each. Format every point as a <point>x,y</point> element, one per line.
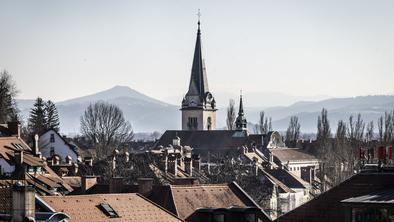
<point>55,160</point>
<point>271,160</point>
<point>69,160</point>
<point>145,186</point>
<point>36,147</point>
<point>172,165</point>
<point>188,166</point>
<point>115,185</point>
<point>75,168</point>
<point>14,128</point>
<point>196,162</point>
<point>176,141</point>
<point>88,161</point>
<point>18,155</point>
<point>87,182</point>
<point>23,203</point>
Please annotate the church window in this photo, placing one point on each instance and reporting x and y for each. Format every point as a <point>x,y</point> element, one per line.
<point>192,123</point>
<point>209,123</point>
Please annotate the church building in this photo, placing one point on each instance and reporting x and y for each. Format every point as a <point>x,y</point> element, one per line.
<point>198,105</point>
<point>198,110</point>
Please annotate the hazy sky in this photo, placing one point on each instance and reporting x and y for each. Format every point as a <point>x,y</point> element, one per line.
<point>64,49</point>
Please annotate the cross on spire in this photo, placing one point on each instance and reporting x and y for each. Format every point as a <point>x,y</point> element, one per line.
<point>199,16</point>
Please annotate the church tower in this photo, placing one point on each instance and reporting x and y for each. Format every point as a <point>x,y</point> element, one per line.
<point>198,105</point>
<point>240,122</point>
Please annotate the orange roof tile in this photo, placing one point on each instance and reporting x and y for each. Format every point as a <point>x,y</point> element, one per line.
<point>129,207</point>
<point>189,198</point>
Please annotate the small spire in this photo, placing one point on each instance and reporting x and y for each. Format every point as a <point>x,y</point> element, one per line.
<point>241,105</point>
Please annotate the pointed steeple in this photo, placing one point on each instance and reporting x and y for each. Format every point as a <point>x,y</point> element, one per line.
<point>240,122</point>
<point>198,80</point>
<point>198,105</point>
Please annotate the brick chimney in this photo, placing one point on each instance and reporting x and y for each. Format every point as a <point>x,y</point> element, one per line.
<point>14,128</point>
<point>172,165</point>
<point>23,203</point>
<point>115,185</point>
<point>145,186</point>
<point>196,162</point>
<point>88,182</point>
<point>188,166</point>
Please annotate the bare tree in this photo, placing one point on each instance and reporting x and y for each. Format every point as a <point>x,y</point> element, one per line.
<point>380,128</point>
<point>293,131</point>
<point>323,127</point>
<point>369,132</point>
<point>231,115</point>
<point>264,123</point>
<point>104,124</point>
<point>388,127</point>
<point>359,129</point>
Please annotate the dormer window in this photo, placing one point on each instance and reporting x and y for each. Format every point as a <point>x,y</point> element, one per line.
<point>52,139</point>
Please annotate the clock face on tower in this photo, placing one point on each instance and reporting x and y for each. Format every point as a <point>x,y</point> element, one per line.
<point>192,103</point>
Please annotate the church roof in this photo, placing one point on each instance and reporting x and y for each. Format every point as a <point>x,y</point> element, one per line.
<point>209,140</point>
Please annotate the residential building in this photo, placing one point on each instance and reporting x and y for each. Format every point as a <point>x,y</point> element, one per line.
<point>51,143</point>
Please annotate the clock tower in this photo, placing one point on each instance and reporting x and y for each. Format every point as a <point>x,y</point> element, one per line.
<point>198,105</point>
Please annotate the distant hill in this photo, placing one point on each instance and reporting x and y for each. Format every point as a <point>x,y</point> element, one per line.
<point>370,107</point>
<point>147,114</point>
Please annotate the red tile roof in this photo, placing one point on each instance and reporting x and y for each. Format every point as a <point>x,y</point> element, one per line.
<point>184,200</point>
<point>129,207</point>
<point>292,154</point>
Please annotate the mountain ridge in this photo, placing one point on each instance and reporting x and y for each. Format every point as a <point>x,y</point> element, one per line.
<point>148,114</point>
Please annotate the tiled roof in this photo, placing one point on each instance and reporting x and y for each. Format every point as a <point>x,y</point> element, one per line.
<point>288,178</point>
<point>183,200</point>
<point>207,140</point>
<point>129,207</point>
<point>8,146</point>
<point>292,154</point>
<point>327,207</point>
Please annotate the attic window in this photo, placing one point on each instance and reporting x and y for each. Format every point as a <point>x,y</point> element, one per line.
<point>108,210</point>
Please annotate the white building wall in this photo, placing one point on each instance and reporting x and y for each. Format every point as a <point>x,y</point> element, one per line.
<point>59,146</point>
<point>6,168</point>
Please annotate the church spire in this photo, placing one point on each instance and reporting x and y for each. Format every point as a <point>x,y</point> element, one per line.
<point>240,122</point>
<point>198,81</point>
<point>198,105</point>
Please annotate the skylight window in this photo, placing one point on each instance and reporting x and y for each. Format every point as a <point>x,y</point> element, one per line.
<point>108,210</point>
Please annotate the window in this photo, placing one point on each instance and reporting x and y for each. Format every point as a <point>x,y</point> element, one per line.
<point>52,152</point>
<point>52,139</point>
<point>192,123</point>
<point>209,123</point>
<point>108,210</point>
<point>218,217</point>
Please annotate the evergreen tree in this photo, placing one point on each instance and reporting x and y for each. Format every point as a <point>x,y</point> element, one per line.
<point>37,120</point>
<point>52,116</point>
<point>8,91</point>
